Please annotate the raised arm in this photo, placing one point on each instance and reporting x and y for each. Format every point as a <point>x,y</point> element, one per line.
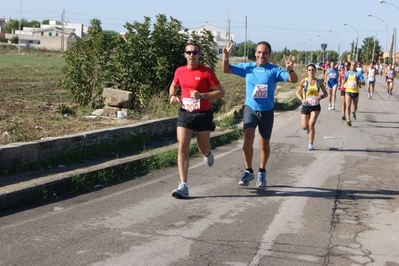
<point>225,60</point>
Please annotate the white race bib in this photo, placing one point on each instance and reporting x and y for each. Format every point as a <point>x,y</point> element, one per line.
<point>191,105</point>
<point>351,85</point>
<point>312,100</point>
<point>260,91</point>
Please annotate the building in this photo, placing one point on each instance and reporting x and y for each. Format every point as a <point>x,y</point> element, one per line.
<point>3,23</point>
<point>55,36</point>
<point>222,37</point>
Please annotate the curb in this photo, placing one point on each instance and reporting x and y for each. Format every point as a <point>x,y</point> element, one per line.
<point>52,185</point>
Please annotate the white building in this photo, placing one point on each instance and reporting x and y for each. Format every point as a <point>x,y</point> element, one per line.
<point>222,37</point>
<point>55,36</point>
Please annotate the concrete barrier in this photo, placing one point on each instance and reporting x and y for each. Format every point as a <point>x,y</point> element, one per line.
<point>19,154</point>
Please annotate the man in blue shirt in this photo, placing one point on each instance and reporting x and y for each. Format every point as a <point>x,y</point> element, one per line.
<point>261,78</point>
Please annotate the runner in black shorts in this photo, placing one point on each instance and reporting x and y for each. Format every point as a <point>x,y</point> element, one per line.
<point>308,93</point>
<point>198,121</point>
<point>195,114</point>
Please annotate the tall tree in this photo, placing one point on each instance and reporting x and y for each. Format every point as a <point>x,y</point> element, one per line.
<point>370,50</point>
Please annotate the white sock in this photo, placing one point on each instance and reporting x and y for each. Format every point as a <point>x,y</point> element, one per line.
<point>184,184</point>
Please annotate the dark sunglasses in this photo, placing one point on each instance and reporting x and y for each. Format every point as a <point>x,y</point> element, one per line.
<point>312,69</point>
<point>195,52</point>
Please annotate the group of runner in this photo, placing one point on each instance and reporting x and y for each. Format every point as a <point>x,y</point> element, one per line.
<point>345,77</point>
<point>348,77</point>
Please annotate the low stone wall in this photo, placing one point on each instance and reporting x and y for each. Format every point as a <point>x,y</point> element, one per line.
<point>16,154</point>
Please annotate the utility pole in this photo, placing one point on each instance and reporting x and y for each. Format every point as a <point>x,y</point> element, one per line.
<point>19,32</point>
<point>246,40</point>
<point>62,30</point>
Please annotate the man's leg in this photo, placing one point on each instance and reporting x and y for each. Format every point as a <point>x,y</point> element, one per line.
<point>264,151</point>
<point>183,138</point>
<point>247,148</point>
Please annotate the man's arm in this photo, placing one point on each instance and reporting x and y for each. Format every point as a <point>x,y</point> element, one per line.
<point>225,59</point>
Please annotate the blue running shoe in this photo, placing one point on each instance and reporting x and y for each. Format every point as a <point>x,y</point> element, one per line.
<point>261,179</point>
<point>246,178</point>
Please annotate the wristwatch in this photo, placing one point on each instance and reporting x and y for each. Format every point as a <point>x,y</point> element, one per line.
<point>170,95</point>
<point>202,95</point>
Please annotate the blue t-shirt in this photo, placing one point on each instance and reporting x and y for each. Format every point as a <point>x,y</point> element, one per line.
<point>260,83</point>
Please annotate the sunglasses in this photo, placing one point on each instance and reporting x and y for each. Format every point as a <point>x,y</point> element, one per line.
<point>312,69</point>
<point>195,52</point>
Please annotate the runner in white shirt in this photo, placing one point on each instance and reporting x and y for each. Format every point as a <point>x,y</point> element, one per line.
<point>371,73</point>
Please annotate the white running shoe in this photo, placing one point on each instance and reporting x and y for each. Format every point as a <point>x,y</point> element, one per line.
<point>180,192</point>
<point>261,179</point>
<point>311,147</point>
<point>209,160</point>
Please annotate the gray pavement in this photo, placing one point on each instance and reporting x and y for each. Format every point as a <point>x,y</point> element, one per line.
<point>336,205</point>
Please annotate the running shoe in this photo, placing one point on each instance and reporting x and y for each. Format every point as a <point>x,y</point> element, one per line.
<point>354,116</point>
<point>181,192</point>
<point>311,147</point>
<point>246,178</point>
<point>388,95</point>
<point>261,182</point>
<point>329,107</point>
<point>343,117</point>
<point>348,122</point>
<point>208,160</point>
<point>307,131</point>
<point>333,107</point>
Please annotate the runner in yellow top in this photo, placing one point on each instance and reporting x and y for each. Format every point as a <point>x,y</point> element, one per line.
<point>308,93</point>
<point>353,80</point>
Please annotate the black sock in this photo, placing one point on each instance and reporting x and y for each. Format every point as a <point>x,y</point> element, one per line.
<point>261,170</point>
<point>249,170</point>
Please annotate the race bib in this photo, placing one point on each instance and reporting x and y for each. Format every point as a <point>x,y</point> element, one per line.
<point>312,100</point>
<point>351,85</point>
<point>191,105</point>
<point>260,91</point>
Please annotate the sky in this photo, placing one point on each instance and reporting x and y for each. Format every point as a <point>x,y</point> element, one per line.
<point>294,24</point>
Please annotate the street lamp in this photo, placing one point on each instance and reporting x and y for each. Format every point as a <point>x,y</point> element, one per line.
<point>357,39</point>
<point>386,26</point>
<point>394,47</point>
<point>385,2</point>
<point>306,52</point>
<point>324,47</point>
<point>315,42</point>
<point>311,52</point>
<point>340,41</point>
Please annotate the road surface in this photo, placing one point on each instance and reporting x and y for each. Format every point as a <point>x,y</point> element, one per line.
<point>336,205</point>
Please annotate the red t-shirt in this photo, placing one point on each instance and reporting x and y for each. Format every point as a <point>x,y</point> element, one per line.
<point>201,79</point>
<point>342,77</point>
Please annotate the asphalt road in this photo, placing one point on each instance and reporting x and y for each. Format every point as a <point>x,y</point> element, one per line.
<point>336,205</point>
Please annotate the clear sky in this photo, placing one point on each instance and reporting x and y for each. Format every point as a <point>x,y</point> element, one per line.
<point>282,23</point>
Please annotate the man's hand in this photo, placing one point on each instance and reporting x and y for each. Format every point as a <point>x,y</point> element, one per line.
<point>288,64</point>
<point>226,50</point>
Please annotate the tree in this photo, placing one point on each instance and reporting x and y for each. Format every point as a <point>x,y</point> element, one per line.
<point>143,60</point>
<point>33,24</point>
<point>245,49</point>
<point>13,25</point>
<point>369,50</point>
<point>89,67</point>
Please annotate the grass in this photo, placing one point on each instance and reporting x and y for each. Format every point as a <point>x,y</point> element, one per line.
<point>33,105</point>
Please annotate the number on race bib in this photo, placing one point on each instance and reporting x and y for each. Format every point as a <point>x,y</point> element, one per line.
<point>191,105</point>
<point>260,91</point>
